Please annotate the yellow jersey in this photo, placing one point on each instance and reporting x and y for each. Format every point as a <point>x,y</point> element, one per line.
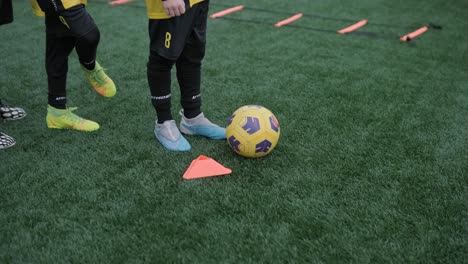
<point>155,8</point>
<point>66,4</point>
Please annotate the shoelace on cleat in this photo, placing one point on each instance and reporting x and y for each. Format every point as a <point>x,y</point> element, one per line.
<point>99,76</point>
<point>71,116</point>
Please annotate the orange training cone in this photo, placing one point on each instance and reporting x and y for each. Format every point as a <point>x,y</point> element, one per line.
<point>203,166</point>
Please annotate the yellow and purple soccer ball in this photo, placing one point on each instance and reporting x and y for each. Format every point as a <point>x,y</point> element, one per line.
<point>252,131</point>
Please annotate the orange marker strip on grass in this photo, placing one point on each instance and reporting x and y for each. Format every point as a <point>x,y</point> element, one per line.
<point>414,34</point>
<point>288,20</point>
<point>119,2</point>
<point>227,11</point>
<point>354,27</point>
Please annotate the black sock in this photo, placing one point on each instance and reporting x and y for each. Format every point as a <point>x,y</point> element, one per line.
<point>191,113</point>
<point>59,102</point>
<point>89,65</point>
<point>57,96</point>
<point>163,108</point>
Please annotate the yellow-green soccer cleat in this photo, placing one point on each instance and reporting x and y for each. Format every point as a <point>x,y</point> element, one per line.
<point>65,119</point>
<point>100,81</point>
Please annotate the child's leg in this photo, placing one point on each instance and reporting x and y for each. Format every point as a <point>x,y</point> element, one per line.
<point>167,41</point>
<point>189,78</point>
<point>159,80</point>
<point>81,26</point>
<point>60,41</point>
<point>6,12</point>
<point>165,47</point>
<point>58,116</point>
<point>193,120</point>
<point>86,47</point>
<point>189,62</point>
<point>57,51</point>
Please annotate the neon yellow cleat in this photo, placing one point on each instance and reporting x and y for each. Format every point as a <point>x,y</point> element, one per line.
<point>65,119</point>
<point>100,81</point>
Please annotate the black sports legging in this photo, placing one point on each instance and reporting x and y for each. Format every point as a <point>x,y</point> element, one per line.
<point>188,67</point>
<point>57,51</point>
<point>66,30</point>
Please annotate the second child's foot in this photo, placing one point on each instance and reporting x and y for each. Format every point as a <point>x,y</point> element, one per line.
<point>10,113</point>
<point>201,126</point>
<point>169,135</point>
<point>100,81</point>
<point>6,141</point>
<point>65,119</point>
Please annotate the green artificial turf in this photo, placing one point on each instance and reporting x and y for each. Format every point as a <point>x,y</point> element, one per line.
<point>371,166</point>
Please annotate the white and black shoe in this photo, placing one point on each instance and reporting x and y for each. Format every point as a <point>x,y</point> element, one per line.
<point>6,141</point>
<point>10,112</point>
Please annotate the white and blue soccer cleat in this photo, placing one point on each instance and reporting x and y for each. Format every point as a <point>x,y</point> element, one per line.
<point>169,135</point>
<point>201,126</point>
